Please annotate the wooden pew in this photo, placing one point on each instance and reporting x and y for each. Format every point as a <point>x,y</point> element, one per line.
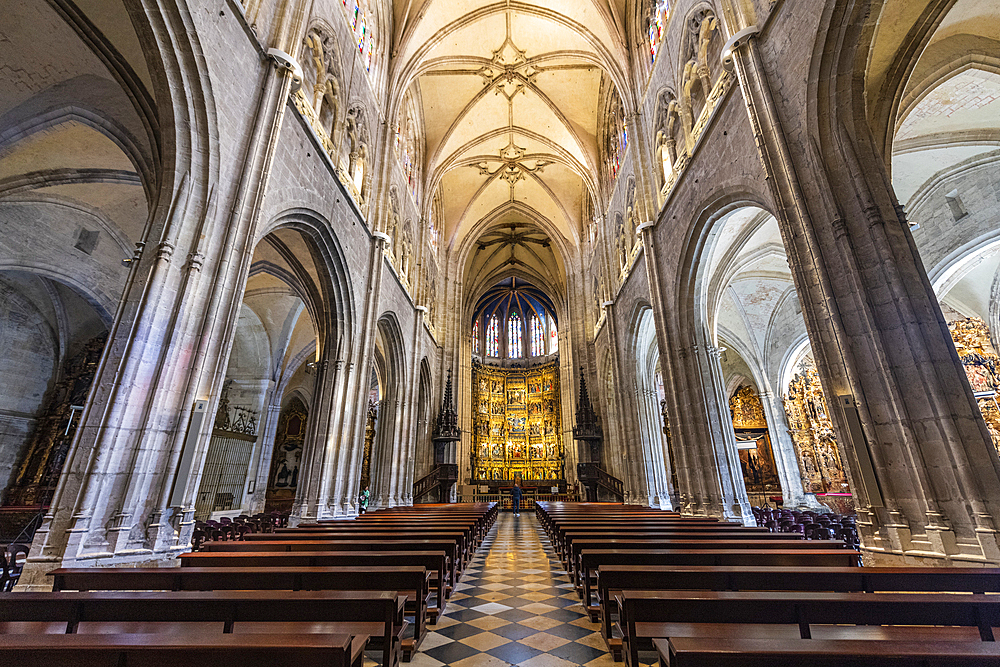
<point>446,546</point>
<point>566,533</point>
<point>462,547</point>
<point>171,650</point>
<point>434,561</point>
<point>592,559</point>
<point>620,542</point>
<point>471,530</point>
<point>648,615</point>
<point>671,535</point>
<point>731,652</point>
<point>470,538</point>
<point>375,613</point>
<point>613,579</point>
<point>410,581</point>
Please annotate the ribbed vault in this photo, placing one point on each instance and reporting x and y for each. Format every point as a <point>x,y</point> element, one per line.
<point>510,94</point>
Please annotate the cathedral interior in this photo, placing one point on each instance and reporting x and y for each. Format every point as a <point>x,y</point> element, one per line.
<point>695,255</point>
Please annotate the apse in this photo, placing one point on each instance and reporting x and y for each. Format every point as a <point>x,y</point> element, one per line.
<point>515,322</point>
<point>516,398</point>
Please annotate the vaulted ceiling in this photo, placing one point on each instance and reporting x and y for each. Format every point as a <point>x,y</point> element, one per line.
<point>511,99</point>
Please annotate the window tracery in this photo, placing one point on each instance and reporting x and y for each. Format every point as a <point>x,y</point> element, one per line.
<point>514,336</point>
<point>657,26</point>
<point>475,337</point>
<point>406,144</point>
<point>493,338</point>
<point>537,336</point>
<point>553,337</point>
<point>362,22</point>
<point>616,139</point>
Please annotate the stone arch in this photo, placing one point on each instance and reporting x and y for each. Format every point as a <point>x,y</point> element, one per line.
<point>387,450</point>
<point>646,354</point>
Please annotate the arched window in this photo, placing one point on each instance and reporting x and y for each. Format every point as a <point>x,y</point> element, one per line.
<point>616,138</point>
<point>475,338</point>
<point>537,337</point>
<point>657,24</point>
<point>493,338</point>
<point>362,23</point>
<point>514,336</point>
<point>553,337</point>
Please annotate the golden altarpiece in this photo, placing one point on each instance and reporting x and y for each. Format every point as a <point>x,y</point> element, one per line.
<point>517,425</point>
<point>815,444</point>
<point>972,340</point>
<point>760,475</point>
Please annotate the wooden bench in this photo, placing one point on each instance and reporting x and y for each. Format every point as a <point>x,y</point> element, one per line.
<point>449,547</point>
<point>461,552</point>
<point>648,615</point>
<point>613,579</point>
<point>171,650</point>
<point>576,570</point>
<point>730,652</point>
<point>470,530</point>
<point>434,561</point>
<point>410,581</point>
<point>375,613</point>
<point>591,560</point>
<point>672,535</point>
<point>565,535</point>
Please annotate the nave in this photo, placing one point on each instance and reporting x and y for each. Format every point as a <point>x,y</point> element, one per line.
<point>515,606</point>
<point>465,585</point>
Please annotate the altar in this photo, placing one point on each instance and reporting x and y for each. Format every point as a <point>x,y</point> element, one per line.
<point>517,425</point>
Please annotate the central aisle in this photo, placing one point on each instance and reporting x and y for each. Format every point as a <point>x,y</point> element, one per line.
<point>514,606</point>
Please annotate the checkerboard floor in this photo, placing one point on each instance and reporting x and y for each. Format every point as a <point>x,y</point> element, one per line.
<point>514,606</point>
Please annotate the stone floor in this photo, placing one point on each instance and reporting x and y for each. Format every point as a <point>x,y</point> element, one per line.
<point>514,606</point>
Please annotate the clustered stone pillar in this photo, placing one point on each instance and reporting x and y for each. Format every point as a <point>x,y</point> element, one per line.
<point>882,348</point>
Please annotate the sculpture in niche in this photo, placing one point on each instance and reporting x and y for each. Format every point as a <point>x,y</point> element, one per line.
<point>622,244</point>
<point>324,111</point>
<point>688,80</point>
<point>980,360</point>
<point>705,24</point>
<point>432,301</point>
<point>405,245</point>
<point>812,433</point>
<point>597,300</point>
<point>355,176</point>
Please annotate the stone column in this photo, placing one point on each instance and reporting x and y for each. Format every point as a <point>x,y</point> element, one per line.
<point>898,394</point>
<point>268,430</point>
<point>634,475</point>
<point>351,446</point>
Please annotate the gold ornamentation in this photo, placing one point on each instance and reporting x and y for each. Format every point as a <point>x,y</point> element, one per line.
<point>972,340</point>
<point>366,462</point>
<point>517,426</point>
<point>760,474</point>
<point>812,434</point>
<point>746,409</point>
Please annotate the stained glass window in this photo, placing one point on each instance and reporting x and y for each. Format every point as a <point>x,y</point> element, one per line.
<point>514,336</point>
<point>553,337</point>
<point>493,338</point>
<point>616,140</point>
<point>537,337</point>
<point>475,338</point>
<point>363,26</point>
<point>657,23</point>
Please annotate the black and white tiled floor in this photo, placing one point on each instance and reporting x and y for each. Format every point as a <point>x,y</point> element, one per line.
<point>514,606</point>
